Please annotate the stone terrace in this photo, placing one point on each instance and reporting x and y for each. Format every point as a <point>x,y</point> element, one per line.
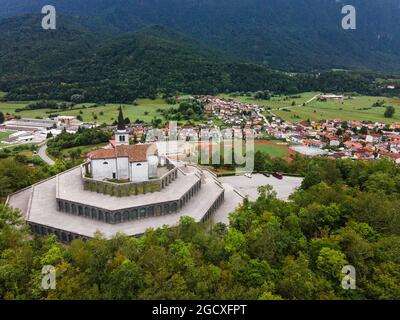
<point>70,188</point>
<point>39,203</point>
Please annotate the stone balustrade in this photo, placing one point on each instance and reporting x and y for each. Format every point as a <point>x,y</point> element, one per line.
<point>128,188</point>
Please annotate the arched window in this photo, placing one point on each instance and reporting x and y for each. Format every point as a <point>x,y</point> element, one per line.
<point>139,165</point>
<point>108,217</point>
<point>105,162</point>
<point>126,216</point>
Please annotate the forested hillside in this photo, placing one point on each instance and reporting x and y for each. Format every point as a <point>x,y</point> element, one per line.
<point>299,35</point>
<point>346,213</point>
<point>57,64</point>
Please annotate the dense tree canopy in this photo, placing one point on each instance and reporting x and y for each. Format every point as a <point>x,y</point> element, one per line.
<point>345,213</point>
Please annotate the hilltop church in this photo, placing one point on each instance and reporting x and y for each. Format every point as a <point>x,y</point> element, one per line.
<point>120,189</point>
<point>124,162</point>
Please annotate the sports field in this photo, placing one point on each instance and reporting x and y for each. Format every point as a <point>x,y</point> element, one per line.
<point>272,149</point>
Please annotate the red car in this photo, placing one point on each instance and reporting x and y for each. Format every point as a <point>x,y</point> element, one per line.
<point>278,175</point>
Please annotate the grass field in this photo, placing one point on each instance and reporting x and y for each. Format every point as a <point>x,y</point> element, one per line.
<point>4,134</point>
<point>146,110</point>
<point>84,149</point>
<point>276,101</point>
<point>360,108</point>
<point>273,150</point>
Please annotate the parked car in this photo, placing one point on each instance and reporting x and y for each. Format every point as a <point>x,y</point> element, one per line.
<point>248,175</point>
<point>266,175</point>
<point>278,175</point>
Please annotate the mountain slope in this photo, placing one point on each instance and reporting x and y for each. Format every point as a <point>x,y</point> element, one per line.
<point>38,64</point>
<point>26,49</point>
<point>56,65</point>
<point>285,34</point>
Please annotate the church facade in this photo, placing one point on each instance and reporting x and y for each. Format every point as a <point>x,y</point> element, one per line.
<point>123,161</point>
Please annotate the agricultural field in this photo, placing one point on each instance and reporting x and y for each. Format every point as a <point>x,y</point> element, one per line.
<point>279,101</point>
<point>145,110</point>
<point>358,108</point>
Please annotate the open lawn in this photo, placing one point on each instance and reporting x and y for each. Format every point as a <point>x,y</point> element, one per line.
<point>359,108</point>
<point>146,110</point>
<point>4,134</point>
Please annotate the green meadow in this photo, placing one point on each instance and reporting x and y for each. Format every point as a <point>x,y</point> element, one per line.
<point>279,101</point>
<point>145,110</point>
<point>4,135</point>
<point>358,108</point>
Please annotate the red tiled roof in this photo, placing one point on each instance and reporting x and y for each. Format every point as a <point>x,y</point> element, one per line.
<point>135,153</point>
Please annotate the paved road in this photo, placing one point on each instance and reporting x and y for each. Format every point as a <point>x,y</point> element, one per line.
<point>42,154</point>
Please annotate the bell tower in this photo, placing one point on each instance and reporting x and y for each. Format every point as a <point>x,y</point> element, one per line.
<point>121,135</point>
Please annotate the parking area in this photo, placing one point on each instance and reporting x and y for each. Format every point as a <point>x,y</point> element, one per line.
<point>248,186</point>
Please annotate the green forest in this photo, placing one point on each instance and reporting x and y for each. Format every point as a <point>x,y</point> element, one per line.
<point>79,65</point>
<point>345,213</point>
